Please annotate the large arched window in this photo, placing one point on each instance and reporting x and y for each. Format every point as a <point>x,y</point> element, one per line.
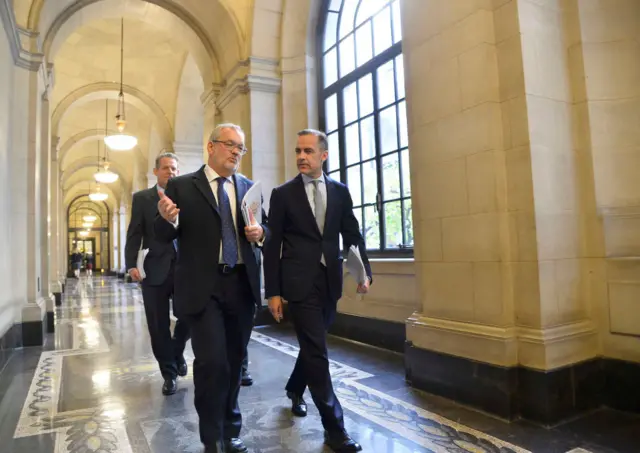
<point>363,111</point>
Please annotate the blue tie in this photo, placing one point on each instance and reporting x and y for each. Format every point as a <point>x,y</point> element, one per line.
<point>229,244</point>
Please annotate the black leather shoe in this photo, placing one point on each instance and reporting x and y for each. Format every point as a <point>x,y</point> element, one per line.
<point>298,405</point>
<point>247,380</point>
<point>235,445</point>
<point>169,387</point>
<point>341,442</point>
<point>182,367</point>
<point>218,447</point>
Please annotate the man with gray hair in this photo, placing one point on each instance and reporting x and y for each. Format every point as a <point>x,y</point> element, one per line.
<point>157,286</point>
<point>217,280</point>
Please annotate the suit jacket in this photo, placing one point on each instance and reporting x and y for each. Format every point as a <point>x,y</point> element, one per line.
<point>199,234</point>
<point>157,265</point>
<point>296,245</point>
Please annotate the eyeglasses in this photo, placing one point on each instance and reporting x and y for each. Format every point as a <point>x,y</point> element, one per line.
<point>231,146</point>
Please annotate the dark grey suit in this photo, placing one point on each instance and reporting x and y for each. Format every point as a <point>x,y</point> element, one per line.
<point>157,287</point>
<point>293,270</point>
<point>220,301</point>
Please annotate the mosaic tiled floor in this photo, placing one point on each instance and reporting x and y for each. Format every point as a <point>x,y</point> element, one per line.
<point>96,388</point>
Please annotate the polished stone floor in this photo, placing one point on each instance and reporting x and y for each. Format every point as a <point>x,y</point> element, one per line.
<point>95,387</point>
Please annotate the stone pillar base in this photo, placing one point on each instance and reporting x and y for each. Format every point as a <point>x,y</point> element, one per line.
<point>34,322</point>
<point>545,376</point>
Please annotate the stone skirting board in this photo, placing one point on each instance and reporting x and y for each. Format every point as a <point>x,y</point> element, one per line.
<point>546,376</point>
<point>544,397</point>
<point>31,333</point>
<point>51,322</point>
<point>375,332</point>
<point>11,340</point>
<point>34,332</point>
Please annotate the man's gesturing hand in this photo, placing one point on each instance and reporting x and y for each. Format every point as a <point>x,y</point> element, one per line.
<point>167,208</point>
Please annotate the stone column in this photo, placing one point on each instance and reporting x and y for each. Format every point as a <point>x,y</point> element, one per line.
<point>211,116</point>
<point>122,237</point>
<point>55,211</point>
<point>500,206</point>
<point>604,57</point>
<point>25,212</point>
<point>190,155</point>
<point>115,240</point>
<point>64,241</point>
<point>45,204</point>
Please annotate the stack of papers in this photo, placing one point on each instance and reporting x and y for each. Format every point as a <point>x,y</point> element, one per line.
<point>355,266</point>
<point>251,205</point>
<point>142,255</point>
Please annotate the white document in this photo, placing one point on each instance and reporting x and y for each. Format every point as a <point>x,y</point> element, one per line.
<point>252,204</point>
<point>355,266</point>
<point>142,255</point>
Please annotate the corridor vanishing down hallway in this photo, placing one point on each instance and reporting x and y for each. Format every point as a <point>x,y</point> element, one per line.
<point>96,388</point>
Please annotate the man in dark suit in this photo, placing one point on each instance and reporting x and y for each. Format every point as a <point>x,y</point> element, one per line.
<point>217,277</point>
<point>157,286</point>
<point>303,265</point>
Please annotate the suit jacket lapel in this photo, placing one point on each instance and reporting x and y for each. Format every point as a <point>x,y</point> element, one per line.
<point>241,190</point>
<point>154,195</point>
<point>303,201</point>
<point>202,183</point>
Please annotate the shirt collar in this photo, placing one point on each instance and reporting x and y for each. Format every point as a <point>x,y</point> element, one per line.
<point>212,175</point>
<point>160,189</point>
<point>308,179</point>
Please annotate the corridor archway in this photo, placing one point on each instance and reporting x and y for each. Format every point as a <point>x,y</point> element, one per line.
<point>88,232</point>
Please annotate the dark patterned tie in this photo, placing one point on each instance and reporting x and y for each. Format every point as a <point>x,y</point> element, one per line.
<point>229,244</point>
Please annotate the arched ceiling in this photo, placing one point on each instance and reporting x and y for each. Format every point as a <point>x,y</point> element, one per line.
<point>174,52</point>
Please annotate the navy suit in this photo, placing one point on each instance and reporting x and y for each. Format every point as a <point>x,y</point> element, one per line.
<point>293,270</point>
<point>157,287</point>
<point>219,303</point>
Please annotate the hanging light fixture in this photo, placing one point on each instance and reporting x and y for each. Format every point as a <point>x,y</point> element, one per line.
<point>121,142</point>
<point>87,224</point>
<point>97,195</point>
<point>90,218</point>
<point>104,175</point>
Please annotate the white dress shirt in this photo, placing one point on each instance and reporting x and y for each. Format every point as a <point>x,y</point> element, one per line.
<point>230,188</point>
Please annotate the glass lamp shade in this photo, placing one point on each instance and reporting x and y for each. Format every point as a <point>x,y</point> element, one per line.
<point>104,175</point>
<point>120,142</point>
<point>83,233</point>
<point>98,196</point>
<point>87,224</point>
<point>90,218</point>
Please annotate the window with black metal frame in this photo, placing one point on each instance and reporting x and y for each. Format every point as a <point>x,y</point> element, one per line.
<point>363,111</point>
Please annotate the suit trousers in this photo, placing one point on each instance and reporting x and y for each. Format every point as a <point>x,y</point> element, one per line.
<point>311,319</point>
<point>219,338</point>
<point>167,351</point>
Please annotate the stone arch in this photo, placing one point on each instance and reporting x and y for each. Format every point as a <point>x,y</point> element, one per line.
<point>109,90</point>
<point>80,188</point>
<point>55,20</point>
<point>79,138</point>
<point>90,161</point>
